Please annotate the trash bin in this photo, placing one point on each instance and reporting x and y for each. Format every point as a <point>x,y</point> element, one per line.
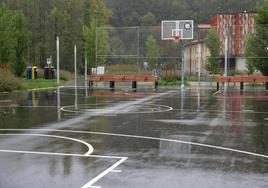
<point>29,72</point>
<point>34,73</point>
<point>49,73</point>
<point>46,72</point>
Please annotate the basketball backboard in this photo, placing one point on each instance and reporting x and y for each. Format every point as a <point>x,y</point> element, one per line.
<point>172,29</point>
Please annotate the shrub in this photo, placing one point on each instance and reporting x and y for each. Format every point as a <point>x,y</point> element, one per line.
<point>66,75</point>
<point>170,78</point>
<point>235,72</point>
<point>8,82</point>
<point>171,81</point>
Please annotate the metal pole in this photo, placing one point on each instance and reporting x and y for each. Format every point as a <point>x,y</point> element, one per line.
<point>96,48</point>
<point>182,68</point>
<point>58,60</point>
<point>198,100</point>
<point>226,56</point>
<point>76,99</point>
<point>86,76</point>
<point>138,47</point>
<point>225,60</point>
<point>182,103</point>
<point>199,63</point>
<point>75,67</point>
<point>58,103</point>
<point>49,68</point>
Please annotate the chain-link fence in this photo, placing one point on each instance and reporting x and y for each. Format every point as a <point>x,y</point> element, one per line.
<point>140,50</point>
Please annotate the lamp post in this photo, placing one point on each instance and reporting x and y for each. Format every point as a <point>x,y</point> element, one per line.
<point>182,68</point>
<point>226,43</point>
<point>58,59</point>
<point>199,62</point>
<point>225,55</point>
<point>75,67</point>
<point>266,84</point>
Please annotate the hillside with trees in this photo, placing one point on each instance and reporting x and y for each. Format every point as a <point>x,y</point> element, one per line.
<point>75,21</point>
<point>151,12</point>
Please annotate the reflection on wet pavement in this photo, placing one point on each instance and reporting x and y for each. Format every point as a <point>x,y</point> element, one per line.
<point>170,138</point>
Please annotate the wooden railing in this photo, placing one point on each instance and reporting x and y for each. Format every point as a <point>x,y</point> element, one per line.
<point>241,80</point>
<point>120,78</point>
<point>140,78</point>
<point>246,79</point>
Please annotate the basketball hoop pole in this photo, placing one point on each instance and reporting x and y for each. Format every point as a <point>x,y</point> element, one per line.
<point>177,39</point>
<point>182,67</point>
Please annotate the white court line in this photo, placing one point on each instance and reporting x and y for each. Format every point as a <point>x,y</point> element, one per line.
<point>116,171</point>
<point>59,154</point>
<point>104,111</point>
<point>216,93</point>
<point>15,106</point>
<point>221,111</point>
<point>121,106</point>
<point>148,138</point>
<point>167,109</point>
<point>101,175</point>
<point>91,182</point>
<point>90,148</point>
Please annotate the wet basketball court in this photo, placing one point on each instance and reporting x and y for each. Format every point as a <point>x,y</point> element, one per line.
<point>76,138</point>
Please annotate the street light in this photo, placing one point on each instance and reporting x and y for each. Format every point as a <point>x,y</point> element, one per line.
<point>225,55</point>
<point>58,59</point>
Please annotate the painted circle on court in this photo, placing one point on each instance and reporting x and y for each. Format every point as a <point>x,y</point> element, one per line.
<point>89,146</point>
<point>102,109</point>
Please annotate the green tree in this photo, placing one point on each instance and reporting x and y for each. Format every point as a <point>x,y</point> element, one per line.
<point>148,19</point>
<point>152,51</point>
<point>13,40</point>
<point>97,15</point>
<point>89,35</point>
<point>213,43</point>
<point>5,37</point>
<point>250,68</point>
<point>257,43</point>
<point>20,35</point>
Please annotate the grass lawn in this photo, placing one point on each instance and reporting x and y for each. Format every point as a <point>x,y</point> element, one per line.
<point>39,83</point>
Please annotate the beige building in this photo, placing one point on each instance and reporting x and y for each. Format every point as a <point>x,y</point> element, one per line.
<point>235,27</point>
<point>192,53</point>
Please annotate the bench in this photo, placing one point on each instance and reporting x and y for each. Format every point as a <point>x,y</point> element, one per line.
<point>241,80</point>
<point>120,78</point>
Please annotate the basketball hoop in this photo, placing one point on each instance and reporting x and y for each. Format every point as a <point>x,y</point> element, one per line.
<point>177,30</point>
<point>176,38</point>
